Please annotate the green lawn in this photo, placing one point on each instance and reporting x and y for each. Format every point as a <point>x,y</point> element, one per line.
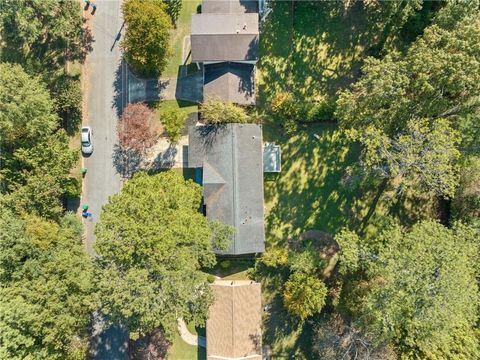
<point>314,192</point>
<point>314,48</point>
<point>182,30</point>
<point>237,270</point>
<point>185,106</point>
<point>180,350</point>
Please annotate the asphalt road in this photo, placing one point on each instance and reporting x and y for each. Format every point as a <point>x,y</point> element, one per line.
<point>105,97</point>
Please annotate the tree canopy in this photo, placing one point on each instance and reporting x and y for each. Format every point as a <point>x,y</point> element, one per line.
<point>138,128</point>
<point>27,108</point>
<point>439,77</point>
<point>146,44</point>
<point>42,34</point>
<point>304,295</point>
<point>152,241</point>
<point>423,295</point>
<point>46,288</point>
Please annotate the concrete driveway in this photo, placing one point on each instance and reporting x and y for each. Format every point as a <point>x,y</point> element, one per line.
<point>104,95</point>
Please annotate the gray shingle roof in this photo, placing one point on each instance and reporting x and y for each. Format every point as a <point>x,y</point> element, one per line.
<point>229,6</point>
<point>232,162</point>
<point>231,82</point>
<point>224,37</point>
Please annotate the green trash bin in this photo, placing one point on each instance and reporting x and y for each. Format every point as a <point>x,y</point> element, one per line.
<point>85,207</point>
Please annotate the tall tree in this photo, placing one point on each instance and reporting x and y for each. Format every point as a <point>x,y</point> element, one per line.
<point>138,127</point>
<point>439,77</point>
<point>147,36</point>
<point>423,159</point>
<point>42,34</point>
<point>27,108</point>
<point>423,295</point>
<point>37,177</point>
<point>152,241</point>
<point>46,288</point>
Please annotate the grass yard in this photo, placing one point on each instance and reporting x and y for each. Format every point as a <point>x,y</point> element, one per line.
<point>237,269</point>
<point>315,48</point>
<point>178,35</point>
<point>180,350</point>
<point>185,106</point>
<point>313,193</point>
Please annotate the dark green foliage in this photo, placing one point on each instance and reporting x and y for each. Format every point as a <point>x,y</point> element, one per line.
<point>438,77</point>
<point>45,172</point>
<point>73,187</point>
<point>173,8</point>
<point>152,241</point>
<point>466,202</point>
<point>46,288</point>
<point>27,107</point>
<point>42,34</point>
<point>422,295</point>
<point>146,44</point>
<point>67,93</point>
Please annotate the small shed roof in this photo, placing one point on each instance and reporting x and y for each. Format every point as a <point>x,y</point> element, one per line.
<point>234,324</point>
<point>272,159</point>
<point>231,82</point>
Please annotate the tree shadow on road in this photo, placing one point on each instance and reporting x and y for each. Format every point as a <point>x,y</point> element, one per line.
<point>120,89</point>
<point>126,161</point>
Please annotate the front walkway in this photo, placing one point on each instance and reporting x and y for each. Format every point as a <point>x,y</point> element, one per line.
<point>188,337</point>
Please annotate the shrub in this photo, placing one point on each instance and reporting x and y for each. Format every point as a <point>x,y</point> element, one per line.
<point>215,111</point>
<point>321,111</point>
<point>73,187</point>
<point>210,278</point>
<point>173,121</point>
<point>290,110</point>
<point>275,256</point>
<point>67,93</point>
<point>304,295</point>
<point>225,264</point>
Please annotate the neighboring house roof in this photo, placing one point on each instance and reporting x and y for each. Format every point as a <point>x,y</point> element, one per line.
<point>229,6</point>
<point>235,318</point>
<point>224,37</point>
<point>231,82</point>
<point>232,162</point>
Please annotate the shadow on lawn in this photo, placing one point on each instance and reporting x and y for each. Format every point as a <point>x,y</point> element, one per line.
<point>316,48</point>
<point>310,192</point>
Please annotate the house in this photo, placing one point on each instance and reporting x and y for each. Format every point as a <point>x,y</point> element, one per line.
<point>234,324</point>
<point>228,160</point>
<point>225,39</point>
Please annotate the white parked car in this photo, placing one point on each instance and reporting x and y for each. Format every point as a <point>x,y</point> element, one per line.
<point>87,147</point>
